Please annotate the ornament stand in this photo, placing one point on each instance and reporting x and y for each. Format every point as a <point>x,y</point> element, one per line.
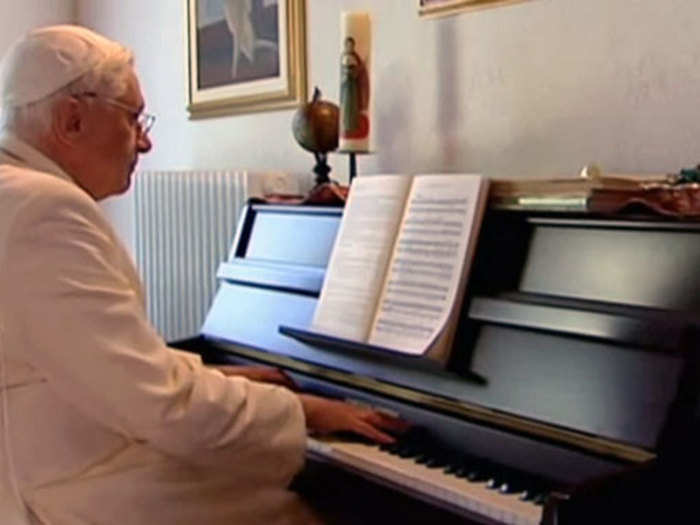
<point>322,169</point>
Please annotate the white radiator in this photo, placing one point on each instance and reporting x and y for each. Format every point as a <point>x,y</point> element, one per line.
<point>184,224</point>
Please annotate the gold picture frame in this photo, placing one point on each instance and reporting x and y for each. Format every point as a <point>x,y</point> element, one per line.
<point>264,70</point>
<point>435,8</point>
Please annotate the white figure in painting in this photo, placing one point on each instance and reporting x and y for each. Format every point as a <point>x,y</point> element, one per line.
<point>245,41</point>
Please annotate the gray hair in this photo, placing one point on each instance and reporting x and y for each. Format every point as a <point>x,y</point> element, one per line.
<point>109,78</point>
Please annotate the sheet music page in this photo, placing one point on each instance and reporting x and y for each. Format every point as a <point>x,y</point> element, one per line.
<point>360,256</point>
<point>429,260</point>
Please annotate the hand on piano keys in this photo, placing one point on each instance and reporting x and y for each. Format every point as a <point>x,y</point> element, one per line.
<point>326,416</point>
<point>262,374</point>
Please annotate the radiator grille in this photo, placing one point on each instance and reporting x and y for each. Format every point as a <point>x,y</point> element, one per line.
<point>184,224</point>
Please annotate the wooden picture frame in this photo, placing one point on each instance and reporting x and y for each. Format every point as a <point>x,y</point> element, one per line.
<point>435,8</point>
<point>264,69</point>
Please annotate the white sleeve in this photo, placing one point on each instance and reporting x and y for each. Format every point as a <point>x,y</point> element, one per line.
<point>86,330</point>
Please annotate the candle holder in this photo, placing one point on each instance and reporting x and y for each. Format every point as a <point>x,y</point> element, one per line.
<point>352,162</point>
<point>352,173</point>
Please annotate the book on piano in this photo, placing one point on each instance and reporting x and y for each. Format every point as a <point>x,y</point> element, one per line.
<point>399,266</point>
<point>592,191</point>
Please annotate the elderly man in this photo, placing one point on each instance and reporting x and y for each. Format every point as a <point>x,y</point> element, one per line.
<point>101,422</point>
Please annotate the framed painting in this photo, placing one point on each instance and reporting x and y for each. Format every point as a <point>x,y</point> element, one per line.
<point>450,7</point>
<point>245,56</point>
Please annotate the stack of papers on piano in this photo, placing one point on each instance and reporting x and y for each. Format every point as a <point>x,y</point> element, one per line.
<point>592,191</point>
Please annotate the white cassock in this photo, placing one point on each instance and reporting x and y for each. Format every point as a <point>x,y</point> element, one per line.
<point>106,424</point>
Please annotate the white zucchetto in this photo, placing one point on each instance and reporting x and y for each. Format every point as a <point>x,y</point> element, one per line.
<point>48,59</point>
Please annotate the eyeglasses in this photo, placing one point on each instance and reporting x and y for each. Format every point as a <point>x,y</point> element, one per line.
<point>143,120</point>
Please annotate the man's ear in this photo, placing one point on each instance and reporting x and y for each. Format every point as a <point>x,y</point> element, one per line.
<point>68,123</point>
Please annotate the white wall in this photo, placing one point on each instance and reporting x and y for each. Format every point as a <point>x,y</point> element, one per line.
<point>18,16</point>
<point>536,88</point>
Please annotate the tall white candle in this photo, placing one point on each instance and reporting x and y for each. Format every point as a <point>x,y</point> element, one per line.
<point>356,122</point>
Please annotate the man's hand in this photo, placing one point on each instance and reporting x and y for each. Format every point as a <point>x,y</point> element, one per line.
<point>324,416</point>
<point>263,374</point>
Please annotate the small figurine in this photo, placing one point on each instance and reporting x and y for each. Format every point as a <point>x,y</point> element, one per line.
<point>354,93</point>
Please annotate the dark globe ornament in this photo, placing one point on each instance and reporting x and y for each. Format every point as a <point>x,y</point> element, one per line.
<point>315,128</point>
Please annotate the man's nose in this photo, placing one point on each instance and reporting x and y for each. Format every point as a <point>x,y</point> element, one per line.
<point>143,143</point>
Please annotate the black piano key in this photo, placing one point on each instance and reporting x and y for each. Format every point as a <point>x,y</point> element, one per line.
<point>354,438</point>
<point>455,465</point>
<point>540,498</point>
<point>407,452</point>
<point>437,461</point>
<point>477,475</point>
<point>534,488</point>
<point>493,483</point>
<point>391,448</point>
<point>497,477</point>
<point>532,494</point>
<point>452,468</point>
<point>527,495</point>
<point>512,486</point>
<point>422,458</point>
<point>506,481</point>
<point>480,470</point>
<point>415,443</point>
<point>507,488</point>
<point>434,457</point>
<point>462,472</point>
<point>457,468</point>
<point>401,451</point>
<point>405,446</point>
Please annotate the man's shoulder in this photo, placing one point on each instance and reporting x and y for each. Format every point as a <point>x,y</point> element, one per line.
<point>22,185</point>
<point>24,177</point>
<point>29,197</point>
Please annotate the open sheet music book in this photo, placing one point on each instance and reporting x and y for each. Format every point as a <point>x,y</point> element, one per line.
<point>400,262</point>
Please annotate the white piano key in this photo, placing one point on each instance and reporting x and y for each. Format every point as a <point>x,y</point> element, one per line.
<point>474,497</point>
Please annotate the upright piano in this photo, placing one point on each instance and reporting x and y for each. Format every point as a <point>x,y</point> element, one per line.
<point>571,394</point>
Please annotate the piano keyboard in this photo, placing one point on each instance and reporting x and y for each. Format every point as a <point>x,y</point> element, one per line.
<point>475,497</point>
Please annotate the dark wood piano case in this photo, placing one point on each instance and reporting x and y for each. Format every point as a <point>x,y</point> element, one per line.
<point>575,361</point>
